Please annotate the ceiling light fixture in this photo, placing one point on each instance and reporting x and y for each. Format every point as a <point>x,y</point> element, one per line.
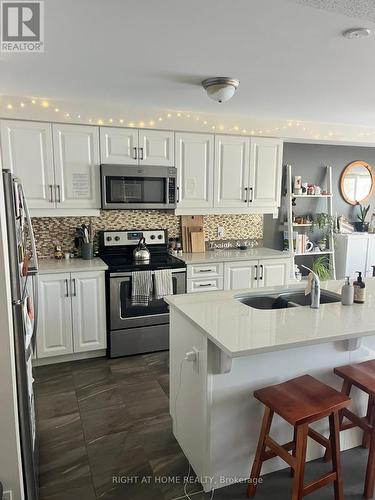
<point>357,33</point>
<point>220,89</point>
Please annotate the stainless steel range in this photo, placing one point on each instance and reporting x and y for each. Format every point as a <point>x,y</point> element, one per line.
<point>136,328</point>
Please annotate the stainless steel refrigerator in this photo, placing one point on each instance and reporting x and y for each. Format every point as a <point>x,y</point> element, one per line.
<point>23,267</point>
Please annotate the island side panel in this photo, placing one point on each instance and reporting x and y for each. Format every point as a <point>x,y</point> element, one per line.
<point>188,392</point>
<point>235,416</point>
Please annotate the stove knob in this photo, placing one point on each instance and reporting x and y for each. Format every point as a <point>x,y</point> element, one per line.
<point>109,238</point>
<point>160,237</point>
<point>117,238</point>
<point>152,236</point>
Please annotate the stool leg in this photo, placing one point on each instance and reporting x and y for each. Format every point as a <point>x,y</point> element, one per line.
<point>258,459</point>
<point>370,471</point>
<point>299,471</point>
<point>294,450</point>
<point>334,427</point>
<point>366,435</point>
<point>346,388</point>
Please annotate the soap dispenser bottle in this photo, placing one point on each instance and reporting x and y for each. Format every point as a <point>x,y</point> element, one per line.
<point>347,293</point>
<point>359,289</point>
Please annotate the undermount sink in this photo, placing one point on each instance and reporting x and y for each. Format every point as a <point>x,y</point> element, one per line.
<point>287,299</point>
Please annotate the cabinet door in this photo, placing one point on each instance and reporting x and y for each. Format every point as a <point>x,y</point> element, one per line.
<point>357,255</point>
<point>370,255</point>
<point>195,170</point>
<point>27,152</point>
<point>273,272</point>
<point>238,275</point>
<point>119,146</point>
<point>156,147</point>
<point>265,172</point>
<point>88,306</point>
<point>231,171</point>
<point>54,334</point>
<point>76,151</point>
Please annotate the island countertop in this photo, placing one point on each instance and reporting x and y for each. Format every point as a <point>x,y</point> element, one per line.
<point>240,330</point>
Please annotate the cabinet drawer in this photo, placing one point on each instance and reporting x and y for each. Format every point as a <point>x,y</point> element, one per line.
<point>204,285</point>
<point>205,270</point>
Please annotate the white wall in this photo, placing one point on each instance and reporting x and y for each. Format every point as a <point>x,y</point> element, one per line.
<point>10,458</point>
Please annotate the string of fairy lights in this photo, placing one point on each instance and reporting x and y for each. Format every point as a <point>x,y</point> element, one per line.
<point>304,129</point>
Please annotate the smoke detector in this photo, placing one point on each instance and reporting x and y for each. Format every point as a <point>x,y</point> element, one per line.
<point>220,89</point>
<point>357,33</point>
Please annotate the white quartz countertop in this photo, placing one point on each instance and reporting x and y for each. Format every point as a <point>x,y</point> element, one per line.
<point>232,255</point>
<point>53,266</point>
<point>240,330</point>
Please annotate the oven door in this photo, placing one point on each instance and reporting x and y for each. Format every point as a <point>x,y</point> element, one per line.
<point>123,314</point>
<point>138,187</point>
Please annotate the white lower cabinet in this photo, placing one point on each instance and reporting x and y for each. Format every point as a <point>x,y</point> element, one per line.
<point>238,275</point>
<point>54,336</point>
<point>71,313</point>
<point>204,285</point>
<point>354,252</point>
<point>273,272</point>
<point>88,308</point>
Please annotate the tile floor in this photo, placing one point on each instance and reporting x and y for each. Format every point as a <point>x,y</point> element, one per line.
<point>103,422</point>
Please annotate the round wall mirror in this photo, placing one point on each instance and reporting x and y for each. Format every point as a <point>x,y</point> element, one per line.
<point>357,182</point>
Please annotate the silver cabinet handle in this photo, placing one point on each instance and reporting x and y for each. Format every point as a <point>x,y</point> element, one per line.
<point>205,270</point>
<point>178,194</point>
<point>66,288</point>
<point>50,193</point>
<point>251,195</point>
<point>256,273</point>
<point>58,193</point>
<point>74,293</point>
<point>141,153</point>
<point>261,269</point>
<point>245,200</point>
<point>135,157</point>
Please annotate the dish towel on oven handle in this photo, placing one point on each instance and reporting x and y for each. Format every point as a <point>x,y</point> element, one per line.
<point>141,288</point>
<point>163,283</point>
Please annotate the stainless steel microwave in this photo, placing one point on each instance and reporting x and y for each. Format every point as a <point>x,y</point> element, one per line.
<point>138,187</point>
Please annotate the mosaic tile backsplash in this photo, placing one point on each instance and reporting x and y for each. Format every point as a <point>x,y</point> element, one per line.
<point>50,231</point>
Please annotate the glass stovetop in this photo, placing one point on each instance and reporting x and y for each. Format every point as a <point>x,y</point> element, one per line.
<point>126,263</point>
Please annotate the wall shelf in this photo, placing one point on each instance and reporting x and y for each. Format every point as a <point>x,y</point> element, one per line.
<point>310,195</point>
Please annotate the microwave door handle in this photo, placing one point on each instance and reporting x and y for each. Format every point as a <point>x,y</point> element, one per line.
<point>167,191</point>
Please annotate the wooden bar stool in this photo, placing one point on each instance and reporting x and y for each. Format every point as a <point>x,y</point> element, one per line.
<point>300,401</point>
<point>361,375</point>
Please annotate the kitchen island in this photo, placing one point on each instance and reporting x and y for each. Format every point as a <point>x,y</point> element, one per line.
<point>239,349</point>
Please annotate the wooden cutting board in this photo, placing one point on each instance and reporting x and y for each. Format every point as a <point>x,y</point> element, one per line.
<point>189,224</point>
<point>197,241</point>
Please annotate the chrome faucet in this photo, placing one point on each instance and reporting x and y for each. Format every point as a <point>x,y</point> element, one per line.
<point>315,289</point>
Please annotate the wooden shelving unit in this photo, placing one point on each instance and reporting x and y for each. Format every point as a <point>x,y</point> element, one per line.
<point>292,226</point>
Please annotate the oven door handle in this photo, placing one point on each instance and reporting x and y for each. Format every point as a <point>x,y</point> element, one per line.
<point>129,274</point>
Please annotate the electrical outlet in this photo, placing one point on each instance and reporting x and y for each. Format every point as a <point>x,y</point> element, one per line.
<point>220,231</point>
<point>7,495</point>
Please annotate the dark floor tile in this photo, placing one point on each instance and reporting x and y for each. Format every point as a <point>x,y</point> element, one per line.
<point>43,373</point>
<point>54,405</point>
<point>163,380</point>
<point>55,385</point>
<point>99,395</point>
<point>149,400</point>
<point>68,487</point>
<point>99,422</point>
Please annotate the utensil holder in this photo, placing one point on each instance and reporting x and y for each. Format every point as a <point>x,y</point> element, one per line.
<point>87,251</point>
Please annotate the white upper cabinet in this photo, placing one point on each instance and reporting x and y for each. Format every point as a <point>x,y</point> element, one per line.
<point>88,307</point>
<point>232,155</point>
<point>119,146</point>
<point>195,174</point>
<point>156,147</point>
<point>265,172</point>
<point>76,152</point>
<point>129,146</point>
<point>27,152</point>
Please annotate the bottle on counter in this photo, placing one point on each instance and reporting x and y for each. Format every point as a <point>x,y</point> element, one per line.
<point>359,289</point>
<point>347,293</point>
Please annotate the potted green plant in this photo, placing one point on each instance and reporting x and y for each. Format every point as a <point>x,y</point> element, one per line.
<point>362,225</point>
<point>321,267</point>
<point>324,223</point>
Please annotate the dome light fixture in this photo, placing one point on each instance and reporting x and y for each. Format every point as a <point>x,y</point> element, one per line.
<point>221,88</point>
<point>357,33</point>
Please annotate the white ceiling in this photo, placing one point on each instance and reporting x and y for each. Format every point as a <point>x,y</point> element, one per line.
<point>291,59</point>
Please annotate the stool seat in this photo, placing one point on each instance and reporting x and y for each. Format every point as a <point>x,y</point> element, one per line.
<point>302,399</point>
<point>361,375</point>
